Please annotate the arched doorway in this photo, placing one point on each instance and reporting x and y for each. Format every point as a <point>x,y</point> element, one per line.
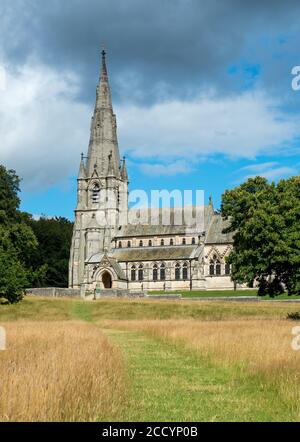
<point>106,280</point>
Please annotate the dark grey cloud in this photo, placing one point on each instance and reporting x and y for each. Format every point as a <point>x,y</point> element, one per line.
<point>173,49</point>
<point>157,48</point>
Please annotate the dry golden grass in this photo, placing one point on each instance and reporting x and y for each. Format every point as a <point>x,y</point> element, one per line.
<point>260,347</point>
<point>59,371</point>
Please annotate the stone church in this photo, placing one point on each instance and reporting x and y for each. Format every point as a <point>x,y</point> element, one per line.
<point>108,253</point>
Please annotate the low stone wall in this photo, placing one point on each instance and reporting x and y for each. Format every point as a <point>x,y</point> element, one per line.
<point>56,292</point>
<point>166,296</point>
<point>111,293</point>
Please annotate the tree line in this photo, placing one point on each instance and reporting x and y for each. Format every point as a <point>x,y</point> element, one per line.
<point>33,253</point>
<point>265,219</point>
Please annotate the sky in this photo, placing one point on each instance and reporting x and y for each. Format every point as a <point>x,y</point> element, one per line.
<point>202,92</point>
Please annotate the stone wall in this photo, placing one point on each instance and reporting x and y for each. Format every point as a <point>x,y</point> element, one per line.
<point>57,292</point>
<point>118,293</point>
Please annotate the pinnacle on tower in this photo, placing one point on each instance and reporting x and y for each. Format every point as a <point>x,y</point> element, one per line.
<point>124,174</point>
<point>82,171</point>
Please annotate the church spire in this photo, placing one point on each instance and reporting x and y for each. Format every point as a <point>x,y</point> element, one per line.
<point>103,99</point>
<point>103,140</point>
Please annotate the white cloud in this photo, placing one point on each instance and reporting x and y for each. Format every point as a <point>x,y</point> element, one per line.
<point>174,168</point>
<point>241,126</point>
<point>43,128</point>
<point>270,170</point>
<point>280,172</point>
<point>259,167</point>
<point>276,173</point>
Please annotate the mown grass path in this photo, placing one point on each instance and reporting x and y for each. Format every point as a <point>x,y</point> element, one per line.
<point>172,384</point>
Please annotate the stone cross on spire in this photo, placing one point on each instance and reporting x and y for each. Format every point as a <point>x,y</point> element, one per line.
<point>103,69</point>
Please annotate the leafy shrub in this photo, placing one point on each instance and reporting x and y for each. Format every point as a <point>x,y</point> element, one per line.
<point>294,316</point>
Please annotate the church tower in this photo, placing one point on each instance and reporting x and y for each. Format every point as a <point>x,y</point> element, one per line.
<point>102,189</point>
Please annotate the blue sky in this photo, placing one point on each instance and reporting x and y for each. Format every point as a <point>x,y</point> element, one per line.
<point>202,92</point>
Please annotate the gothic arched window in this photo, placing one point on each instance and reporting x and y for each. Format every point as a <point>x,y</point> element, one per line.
<point>95,193</point>
<point>128,244</point>
<point>162,272</point>
<point>120,244</point>
<point>185,271</point>
<point>177,272</point>
<point>162,242</point>
<point>141,273</point>
<point>155,273</point>
<point>150,243</point>
<point>215,266</point>
<point>184,241</point>
<point>141,243</point>
<point>227,269</point>
<point>193,241</point>
<point>133,273</point>
<point>171,242</point>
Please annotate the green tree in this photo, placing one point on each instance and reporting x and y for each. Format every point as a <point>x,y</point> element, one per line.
<point>289,207</point>
<point>13,277</point>
<point>54,237</point>
<point>9,200</point>
<point>17,240</point>
<point>265,219</point>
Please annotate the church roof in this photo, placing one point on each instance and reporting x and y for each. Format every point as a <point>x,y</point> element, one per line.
<point>174,221</point>
<point>101,256</point>
<point>212,224</point>
<point>133,230</point>
<point>116,266</point>
<point>215,233</point>
<point>154,253</point>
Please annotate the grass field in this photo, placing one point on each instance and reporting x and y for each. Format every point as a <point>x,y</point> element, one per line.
<point>208,293</point>
<point>224,294</point>
<point>148,360</point>
<point>59,371</point>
